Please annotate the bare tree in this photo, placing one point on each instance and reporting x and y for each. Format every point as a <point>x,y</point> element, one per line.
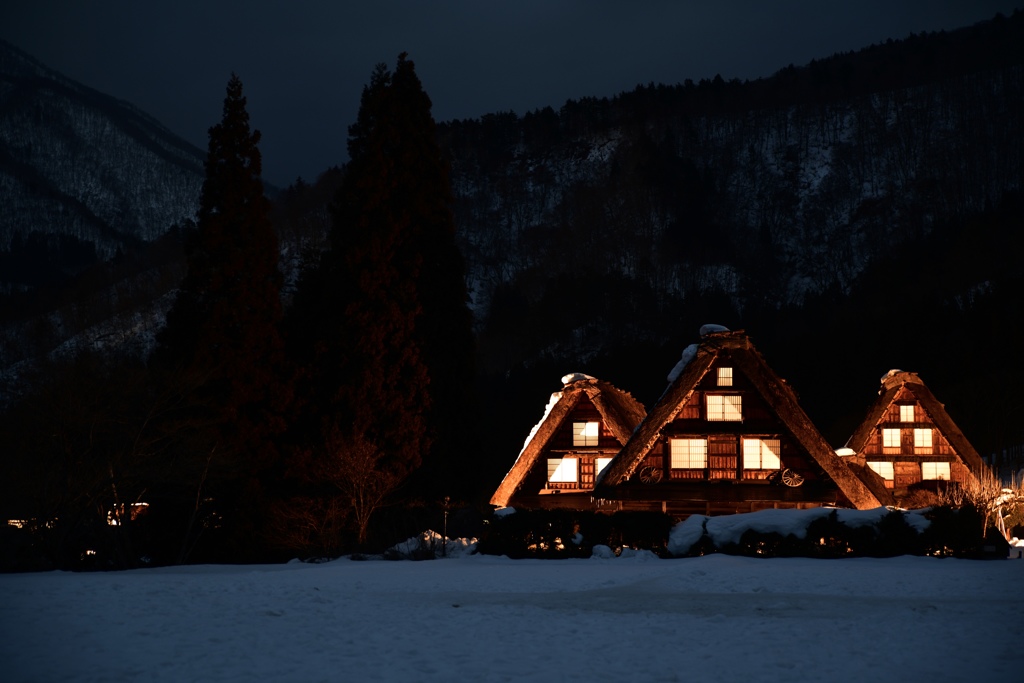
<point>996,501</point>
<point>358,469</point>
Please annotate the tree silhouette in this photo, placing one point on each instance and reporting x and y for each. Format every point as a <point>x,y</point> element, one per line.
<point>382,326</point>
<point>222,330</point>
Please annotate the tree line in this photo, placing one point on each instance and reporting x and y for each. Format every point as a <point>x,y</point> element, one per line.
<point>255,430</point>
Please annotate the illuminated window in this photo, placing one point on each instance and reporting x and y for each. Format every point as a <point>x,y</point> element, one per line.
<point>725,408</point>
<point>562,470</point>
<point>906,413</point>
<point>585,433</point>
<point>725,377</point>
<point>688,454</point>
<point>890,438</point>
<point>884,470</point>
<point>935,470</point>
<point>600,464</point>
<point>922,441</point>
<point>761,454</point>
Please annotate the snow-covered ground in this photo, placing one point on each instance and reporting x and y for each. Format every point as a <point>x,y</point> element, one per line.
<point>485,618</point>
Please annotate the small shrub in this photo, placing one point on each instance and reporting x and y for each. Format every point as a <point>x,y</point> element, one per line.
<point>953,532</point>
<point>896,537</point>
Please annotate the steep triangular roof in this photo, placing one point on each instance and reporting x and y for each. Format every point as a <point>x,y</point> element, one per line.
<point>619,410</point>
<point>892,382</point>
<point>871,479</point>
<point>696,361</point>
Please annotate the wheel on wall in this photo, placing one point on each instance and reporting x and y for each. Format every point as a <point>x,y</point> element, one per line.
<point>650,475</point>
<point>791,478</point>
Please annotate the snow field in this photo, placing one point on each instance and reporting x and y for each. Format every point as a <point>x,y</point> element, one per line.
<point>485,618</point>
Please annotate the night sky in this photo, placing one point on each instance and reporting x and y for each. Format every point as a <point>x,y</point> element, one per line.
<point>304,62</point>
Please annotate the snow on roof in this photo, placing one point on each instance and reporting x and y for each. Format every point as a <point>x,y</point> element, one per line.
<point>689,353</point>
<point>705,330</point>
<point>576,377</point>
<point>891,373</point>
<point>552,402</point>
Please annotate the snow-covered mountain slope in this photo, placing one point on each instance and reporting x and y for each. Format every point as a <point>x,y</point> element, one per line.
<point>80,167</point>
<point>784,200</point>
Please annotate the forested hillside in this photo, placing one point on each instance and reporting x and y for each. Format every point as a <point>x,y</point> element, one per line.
<point>855,214</point>
<point>762,194</point>
<point>92,190</point>
<point>82,171</point>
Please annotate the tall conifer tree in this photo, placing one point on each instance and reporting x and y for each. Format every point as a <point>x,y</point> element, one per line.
<point>393,352</point>
<point>222,332</point>
<point>398,191</point>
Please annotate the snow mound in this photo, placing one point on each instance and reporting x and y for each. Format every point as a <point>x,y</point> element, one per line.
<point>504,512</point>
<point>432,543</point>
<point>638,555</point>
<point>685,534</point>
<point>575,377</point>
<point>604,552</point>
<point>729,529</point>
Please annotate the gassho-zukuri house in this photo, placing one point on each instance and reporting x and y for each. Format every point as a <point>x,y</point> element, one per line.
<point>584,426</point>
<point>909,440</point>
<point>728,435</point>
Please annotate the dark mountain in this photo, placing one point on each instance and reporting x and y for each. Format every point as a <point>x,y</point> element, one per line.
<point>92,189</point>
<point>82,175</point>
<point>854,214</point>
<point>757,195</point>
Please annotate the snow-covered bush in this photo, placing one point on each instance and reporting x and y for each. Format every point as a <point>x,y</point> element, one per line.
<point>833,533</point>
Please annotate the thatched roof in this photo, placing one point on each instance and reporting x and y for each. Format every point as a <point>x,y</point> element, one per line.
<point>892,382</point>
<point>859,466</point>
<point>744,358</point>
<point>619,410</point>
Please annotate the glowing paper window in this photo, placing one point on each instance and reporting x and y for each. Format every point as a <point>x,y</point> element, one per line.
<point>725,377</point>
<point>761,454</point>
<point>922,441</point>
<point>562,470</point>
<point>600,464</point>
<point>688,454</point>
<point>935,470</point>
<point>884,469</point>
<point>725,408</point>
<point>585,433</point>
<point>906,413</point>
<point>890,438</point>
